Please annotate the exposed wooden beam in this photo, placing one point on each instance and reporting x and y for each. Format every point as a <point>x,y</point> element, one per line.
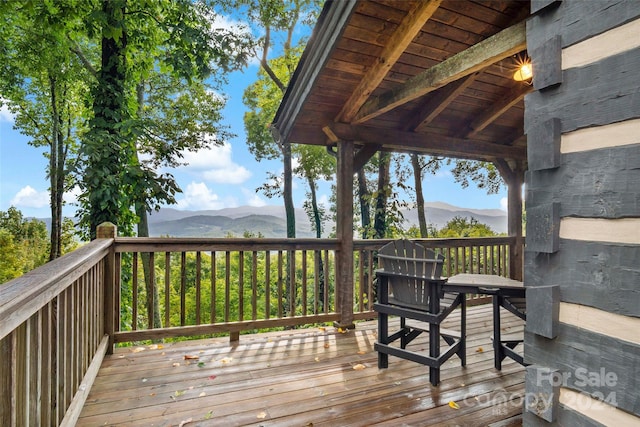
<point>511,98</point>
<point>434,105</point>
<point>396,140</point>
<point>363,155</point>
<point>489,51</point>
<point>330,135</point>
<point>410,26</point>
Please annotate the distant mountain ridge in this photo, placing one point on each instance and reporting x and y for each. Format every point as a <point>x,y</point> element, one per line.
<point>270,221</point>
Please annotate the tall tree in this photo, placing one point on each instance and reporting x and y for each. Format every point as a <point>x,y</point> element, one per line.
<point>315,164</point>
<point>45,88</point>
<point>140,40</point>
<point>274,19</point>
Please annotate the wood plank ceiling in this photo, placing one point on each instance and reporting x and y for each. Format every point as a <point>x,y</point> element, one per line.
<point>433,77</point>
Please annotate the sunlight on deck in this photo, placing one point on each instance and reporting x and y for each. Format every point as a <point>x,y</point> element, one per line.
<point>318,376</point>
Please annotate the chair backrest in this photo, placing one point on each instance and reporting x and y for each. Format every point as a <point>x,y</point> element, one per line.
<point>412,259</point>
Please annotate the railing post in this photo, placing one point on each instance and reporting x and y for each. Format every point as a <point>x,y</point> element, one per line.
<point>107,230</point>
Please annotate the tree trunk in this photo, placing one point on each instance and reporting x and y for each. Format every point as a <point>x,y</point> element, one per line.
<point>364,196</point>
<point>380,219</point>
<point>109,109</point>
<point>56,173</point>
<point>318,225</point>
<point>287,193</point>
<point>152,302</point>
<point>417,175</point>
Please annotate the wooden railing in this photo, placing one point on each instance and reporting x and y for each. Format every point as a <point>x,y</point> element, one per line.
<point>226,286</point>
<point>52,337</point>
<point>58,321</point>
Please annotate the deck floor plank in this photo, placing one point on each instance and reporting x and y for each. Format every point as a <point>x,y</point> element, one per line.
<point>305,377</point>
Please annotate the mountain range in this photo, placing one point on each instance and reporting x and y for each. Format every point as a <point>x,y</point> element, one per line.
<point>270,221</point>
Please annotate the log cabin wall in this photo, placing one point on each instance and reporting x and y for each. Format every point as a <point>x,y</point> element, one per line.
<point>582,259</point>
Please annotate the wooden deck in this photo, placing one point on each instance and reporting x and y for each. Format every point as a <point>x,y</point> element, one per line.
<point>305,377</point>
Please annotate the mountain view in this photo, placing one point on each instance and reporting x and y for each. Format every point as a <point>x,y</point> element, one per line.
<point>269,221</point>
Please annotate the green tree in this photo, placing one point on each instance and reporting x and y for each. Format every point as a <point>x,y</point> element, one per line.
<point>10,263</point>
<point>140,39</point>
<point>465,227</point>
<point>24,243</point>
<point>155,98</point>
<point>45,88</point>
<point>263,98</point>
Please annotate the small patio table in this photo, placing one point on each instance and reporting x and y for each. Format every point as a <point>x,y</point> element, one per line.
<point>499,288</point>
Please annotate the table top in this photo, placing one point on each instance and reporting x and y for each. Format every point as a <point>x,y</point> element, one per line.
<point>485,281</point>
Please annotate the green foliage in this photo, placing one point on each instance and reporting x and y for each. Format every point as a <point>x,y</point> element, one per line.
<point>25,244</point>
<point>464,227</point>
<point>45,85</point>
<point>151,102</point>
<point>234,296</point>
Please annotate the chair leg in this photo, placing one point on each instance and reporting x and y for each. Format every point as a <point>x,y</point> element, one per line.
<point>462,351</point>
<point>383,332</point>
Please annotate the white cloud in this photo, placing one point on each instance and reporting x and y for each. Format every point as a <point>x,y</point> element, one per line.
<point>5,114</point>
<point>28,197</point>
<point>253,199</point>
<point>231,175</point>
<point>323,200</point>
<point>504,203</point>
<point>198,196</point>
<point>215,164</point>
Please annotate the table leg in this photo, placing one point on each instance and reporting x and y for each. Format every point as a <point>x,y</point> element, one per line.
<point>497,346</point>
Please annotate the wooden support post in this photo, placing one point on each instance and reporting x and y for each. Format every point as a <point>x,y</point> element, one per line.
<point>514,209</point>
<point>514,178</point>
<point>107,230</point>
<point>344,227</point>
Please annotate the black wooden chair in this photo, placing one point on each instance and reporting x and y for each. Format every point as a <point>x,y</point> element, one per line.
<point>410,286</point>
<point>504,344</point>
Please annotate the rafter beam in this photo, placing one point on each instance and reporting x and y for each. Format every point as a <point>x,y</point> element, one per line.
<point>414,142</point>
<point>435,105</point>
<point>363,155</point>
<point>489,51</point>
<point>511,98</point>
<point>410,26</point>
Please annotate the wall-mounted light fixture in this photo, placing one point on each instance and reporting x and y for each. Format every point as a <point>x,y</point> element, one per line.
<point>524,73</point>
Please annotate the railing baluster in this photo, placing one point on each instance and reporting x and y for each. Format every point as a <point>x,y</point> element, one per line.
<point>267,281</point>
<point>241,286</point>
<point>327,268</point>
<point>280,284</point>
<point>212,308</point>
<point>227,284</point>
<point>254,285</point>
<point>183,287</point>
<point>304,282</point>
<point>152,286</point>
<point>316,281</point>
<point>167,289</point>
<point>134,302</point>
<point>198,285</point>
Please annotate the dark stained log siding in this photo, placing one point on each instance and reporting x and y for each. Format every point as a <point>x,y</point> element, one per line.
<point>599,183</point>
<point>579,354</point>
<point>603,183</point>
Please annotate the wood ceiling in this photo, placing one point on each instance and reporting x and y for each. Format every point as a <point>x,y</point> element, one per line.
<point>433,77</point>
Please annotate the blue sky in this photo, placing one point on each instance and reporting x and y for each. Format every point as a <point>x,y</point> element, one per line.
<point>218,178</point>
